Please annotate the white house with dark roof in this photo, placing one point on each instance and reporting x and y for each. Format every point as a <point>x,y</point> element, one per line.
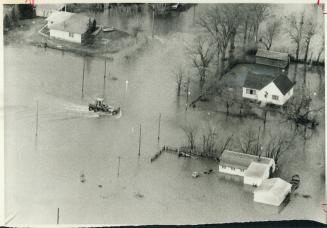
<point>272,58</point>
<point>252,168</point>
<point>70,26</point>
<point>267,88</point>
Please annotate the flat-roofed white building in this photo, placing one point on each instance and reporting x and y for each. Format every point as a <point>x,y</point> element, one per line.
<point>272,191</point>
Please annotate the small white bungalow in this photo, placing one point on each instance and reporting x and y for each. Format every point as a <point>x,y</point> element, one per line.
<point>272,191</point>
<point>268,89</point>
<point>70,26</point>
<point>252,168</point>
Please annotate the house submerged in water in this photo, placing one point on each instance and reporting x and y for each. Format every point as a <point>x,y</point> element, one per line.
<point>70,27</point>
<point>274,88</point>
<point>253,169</point>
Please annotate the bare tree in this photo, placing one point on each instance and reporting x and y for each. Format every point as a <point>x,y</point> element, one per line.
<point>179,74</point>
<point>249,142</point>
<point>295,31</point>
<point>209,141</point>
<point>322,47</point>
<point>220,22</point>
<point>223,145</point>
<point>259,12</point>
<point>299,110</point>
<point>201,54</point>
<point>272,30</point>
<point>277,145</point>
<point>309,32</point>
<point>191,133</point>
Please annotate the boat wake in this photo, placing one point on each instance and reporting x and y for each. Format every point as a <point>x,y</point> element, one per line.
<point>84,111</point>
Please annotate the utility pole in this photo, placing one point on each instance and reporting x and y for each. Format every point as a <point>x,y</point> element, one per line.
<point>58,216</point>
<point>140,136</point>
<point>152,21</point>
<point>159,128</point>
<point>194,13</point>
<point>118,166</point>
<point>83,77</point>
<point>37,118</point>
<point>187,92</point>
<point>104,78</point>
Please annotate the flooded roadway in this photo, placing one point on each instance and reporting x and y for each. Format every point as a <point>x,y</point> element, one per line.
<point>43,172</point>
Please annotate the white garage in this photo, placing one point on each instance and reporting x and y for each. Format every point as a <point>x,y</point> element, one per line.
<point>272,191</point>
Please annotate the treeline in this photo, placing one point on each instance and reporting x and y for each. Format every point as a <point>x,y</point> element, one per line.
<point>247,27</point>
<point>14,13</point>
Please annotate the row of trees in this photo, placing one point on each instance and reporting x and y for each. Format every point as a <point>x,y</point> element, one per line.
<point>212,142</point>
<point>250,25</point>
<point>14,13</point>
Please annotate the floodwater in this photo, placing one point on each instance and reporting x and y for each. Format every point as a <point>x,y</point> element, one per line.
<point>43,172</point>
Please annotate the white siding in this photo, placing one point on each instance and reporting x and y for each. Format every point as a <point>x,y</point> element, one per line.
<point>271,90</point>
<point>229,170</point>
<point>250,96</point>
<point>256,180</point>
<point>77,38</point>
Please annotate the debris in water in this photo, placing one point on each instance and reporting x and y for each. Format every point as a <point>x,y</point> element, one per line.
<point>114,78</point>
<point>82,178</point>
<point>306,196</point>
<point>195,174</point>
<point>100,185</point>
<point>138,195</point>
<point>208,172</point>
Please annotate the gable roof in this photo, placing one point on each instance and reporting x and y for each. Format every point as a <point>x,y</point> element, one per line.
<point>283,83</point>
<point>59,16</point>
<point>76,23</point>
<point>272,55</point>
<point>241,160</point>
<point>257,81</point>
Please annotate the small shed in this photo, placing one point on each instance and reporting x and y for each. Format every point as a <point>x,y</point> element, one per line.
<point>272,191</point>
<point>272,58</point>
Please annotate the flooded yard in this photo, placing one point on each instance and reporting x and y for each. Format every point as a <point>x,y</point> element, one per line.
<point>43,172</point>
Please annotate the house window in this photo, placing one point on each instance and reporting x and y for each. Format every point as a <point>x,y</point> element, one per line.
<point>250,91</point>
<point>71,34</point>
<point>274,97</point>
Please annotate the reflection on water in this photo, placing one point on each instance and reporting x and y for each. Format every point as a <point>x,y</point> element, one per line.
<point>72,141</point>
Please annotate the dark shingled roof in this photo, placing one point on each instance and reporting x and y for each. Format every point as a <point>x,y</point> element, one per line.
<point>257,81</point>
<point>283,83</point>
<point>272,55</point>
